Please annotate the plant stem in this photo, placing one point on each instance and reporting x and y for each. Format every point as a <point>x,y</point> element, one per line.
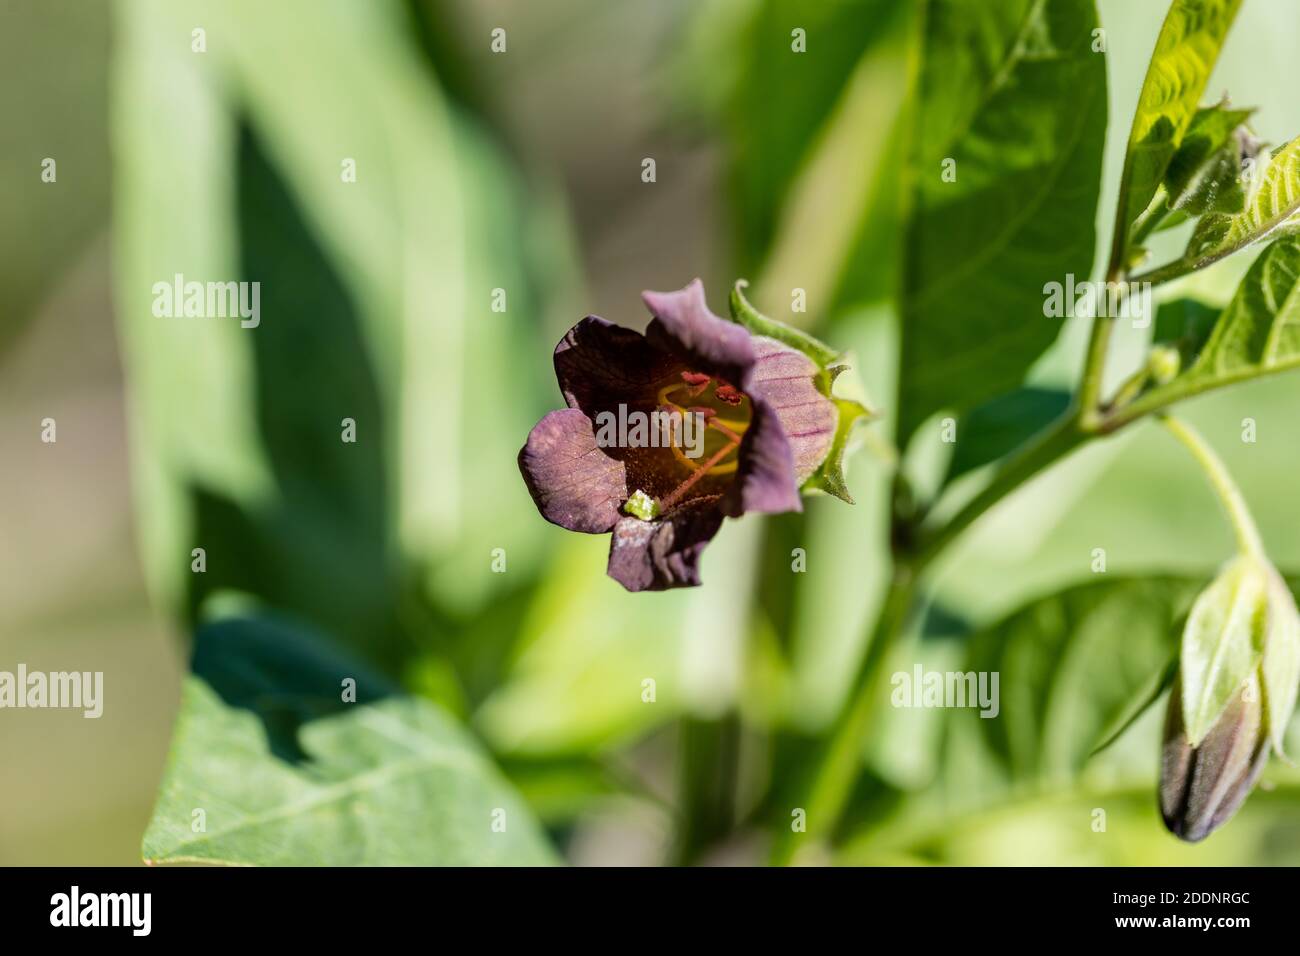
<point>837,769</point>
<point>1243,525</point>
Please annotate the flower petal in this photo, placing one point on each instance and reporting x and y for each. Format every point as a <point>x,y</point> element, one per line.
<point>662,554</point>
<point>784,378</point>
<point>573,482</point>
<point>599,364</point>
<point>684,324</point>
<point>765,480</point>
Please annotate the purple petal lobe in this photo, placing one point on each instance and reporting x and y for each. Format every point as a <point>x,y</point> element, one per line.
<point>684,324</point>
<point>783,377</point>
<point>765,479</point>
<point>573,482</point>
<point>599,364</point>
<point>662,554</point>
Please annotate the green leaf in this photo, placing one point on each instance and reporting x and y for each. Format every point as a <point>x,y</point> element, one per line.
<point>1002,425</point>
<point>782,103</point>
<point>745,314</point>
<point>1012,100</point>
<point>375,307</point>
<point>1259,331</point>
<point>1222,643</point>
<point>1273,201</point>
<point>829,476</point>
<point>1076,667</point>
<point>1186,325</point>
<point>288,774</point>
<point>1184,56</point>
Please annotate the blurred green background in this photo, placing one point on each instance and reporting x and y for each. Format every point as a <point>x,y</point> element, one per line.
<point>522,170</point>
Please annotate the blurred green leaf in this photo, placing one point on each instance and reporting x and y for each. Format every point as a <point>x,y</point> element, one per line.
<point>377,306</point>
<point>288,774</point>
<point>1005,173</point>
<point>1185,324</point>
<point>1071,664</point>
<point>1002,425</point>
<point>783,100</point>
<point>55,55</point>
<point>813,115</point>
<point>1185,54</point>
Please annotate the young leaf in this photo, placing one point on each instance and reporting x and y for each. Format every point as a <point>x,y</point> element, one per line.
<point>1005,168</point>
<point>1222,642</point>
<point>1259,331</point>
<point>289,772</point>
<point>1257,334</point>
<point>1184,57</point>
<point>1271,205</point>
<point>1205,173</point>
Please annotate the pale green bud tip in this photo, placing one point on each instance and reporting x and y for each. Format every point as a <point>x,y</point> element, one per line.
<point>1165,363</point>
<point>642,506</point>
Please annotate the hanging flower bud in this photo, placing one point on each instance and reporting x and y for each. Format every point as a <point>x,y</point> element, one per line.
<point>1236,689</point>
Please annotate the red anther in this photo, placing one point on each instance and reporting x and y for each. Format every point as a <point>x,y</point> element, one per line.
<point>729,394</point>
<point>697,382</point>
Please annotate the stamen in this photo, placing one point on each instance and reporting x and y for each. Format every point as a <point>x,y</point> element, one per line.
<point>728,394</point>
<point>675,495</point>
<point>697,382</point>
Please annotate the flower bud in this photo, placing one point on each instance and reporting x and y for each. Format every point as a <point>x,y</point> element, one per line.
<point>1246,616</point>
<point>1202,787</point>
<point>1206,173</point>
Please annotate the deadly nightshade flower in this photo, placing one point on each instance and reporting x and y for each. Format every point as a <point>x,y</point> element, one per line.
<point>1233,697</point>
<point>770,427</point>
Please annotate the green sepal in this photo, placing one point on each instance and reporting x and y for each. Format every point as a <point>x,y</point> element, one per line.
<point>829,476</point>
<point>742,313</point>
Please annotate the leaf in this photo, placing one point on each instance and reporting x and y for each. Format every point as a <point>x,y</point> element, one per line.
<point>375,308</point>
<point>1204,174</point>
<point>1012,100</point>
<point>1075,667</point>
<point>1184,56</point>
<point>1273,202</point>
<point>1002,425</point>
<point>1186,325</point>
<point>1259,332</point>
<point>287,774</point>
<point>782,102</point>
<point>745,314</point>
<point>1222,643</point>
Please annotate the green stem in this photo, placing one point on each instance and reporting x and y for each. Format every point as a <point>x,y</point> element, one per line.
<point>841,759</point>
<point>1094,367</point>
<point>1157,211</point>
<point>1248,539</point>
